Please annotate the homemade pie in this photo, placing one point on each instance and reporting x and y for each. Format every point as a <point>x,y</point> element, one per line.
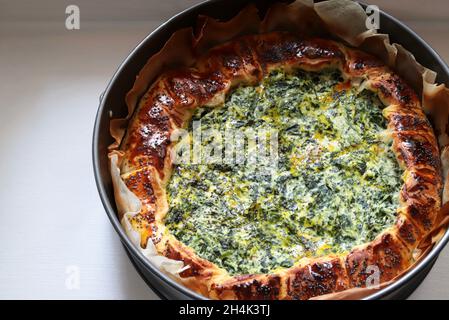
<point>350,188</point>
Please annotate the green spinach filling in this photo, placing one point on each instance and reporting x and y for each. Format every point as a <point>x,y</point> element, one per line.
<point>334,185</point>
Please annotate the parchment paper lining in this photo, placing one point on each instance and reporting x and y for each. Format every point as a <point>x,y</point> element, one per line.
<point>342,20</point>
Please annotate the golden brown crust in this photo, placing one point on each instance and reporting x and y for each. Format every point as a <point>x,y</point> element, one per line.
<point>320,277</point>
<point>142,183</point>
<point>168,105</point>
<point>386,253</point>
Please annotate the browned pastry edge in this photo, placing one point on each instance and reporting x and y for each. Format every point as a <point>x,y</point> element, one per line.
<point>168,104</point>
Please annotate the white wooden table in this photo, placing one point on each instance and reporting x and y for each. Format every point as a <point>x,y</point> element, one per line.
<point>53,229</point>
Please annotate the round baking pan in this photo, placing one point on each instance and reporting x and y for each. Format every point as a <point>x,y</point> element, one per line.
<point>112,103</point>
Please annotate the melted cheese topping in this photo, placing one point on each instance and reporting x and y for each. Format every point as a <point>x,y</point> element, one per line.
<point>335,184</point>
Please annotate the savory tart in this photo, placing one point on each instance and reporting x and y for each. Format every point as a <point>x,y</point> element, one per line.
<point>353,187</point>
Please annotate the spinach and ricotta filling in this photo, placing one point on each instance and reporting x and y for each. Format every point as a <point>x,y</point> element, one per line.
<point>333,184</point>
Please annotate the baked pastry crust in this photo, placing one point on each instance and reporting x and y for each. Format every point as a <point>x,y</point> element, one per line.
<point>169,103</point>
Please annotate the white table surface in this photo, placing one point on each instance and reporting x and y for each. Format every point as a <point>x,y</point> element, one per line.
<point>51,214</point>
